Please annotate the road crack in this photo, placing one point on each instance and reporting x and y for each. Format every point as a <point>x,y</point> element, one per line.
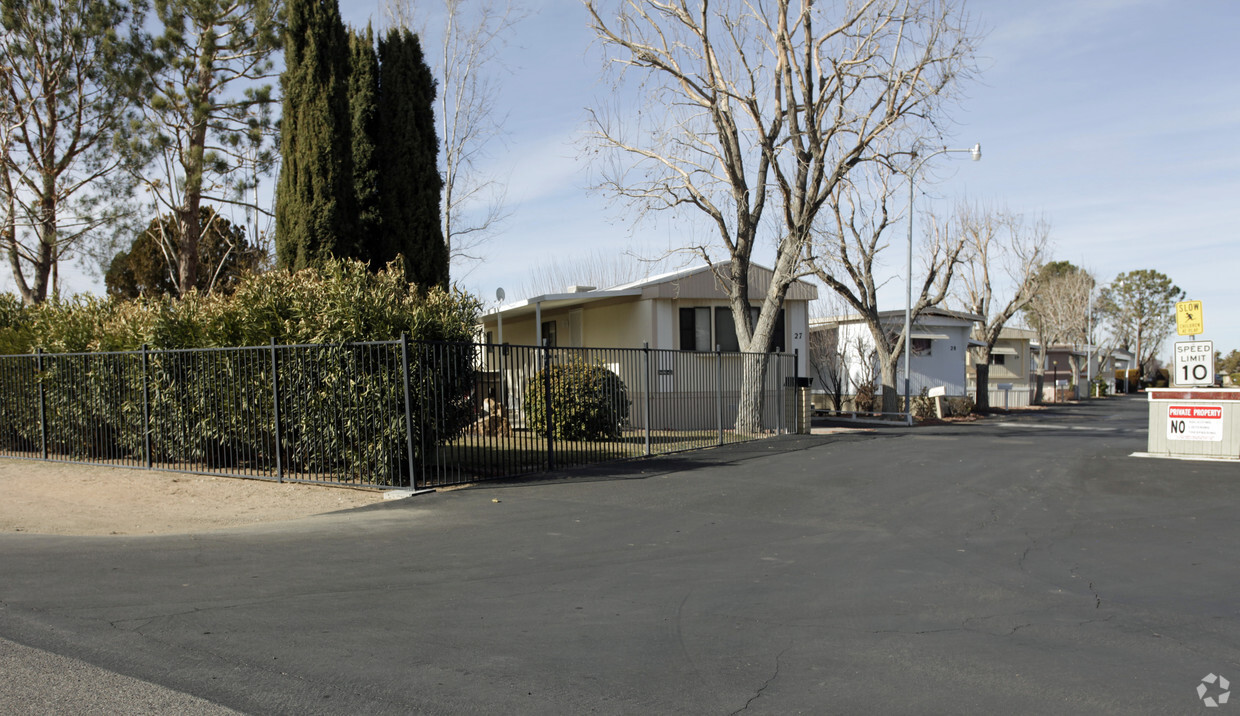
<point>765,684</point>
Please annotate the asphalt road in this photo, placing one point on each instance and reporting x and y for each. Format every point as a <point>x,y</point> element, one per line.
<point>1015,565</point>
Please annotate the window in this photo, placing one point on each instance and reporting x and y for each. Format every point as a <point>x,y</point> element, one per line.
<point>700,331</point>
<point>779,342</point>
<point>695,329</point>
<point>920,346</point>
<point>725,330</point>
<point>997,359</point>
<point>548,333</point>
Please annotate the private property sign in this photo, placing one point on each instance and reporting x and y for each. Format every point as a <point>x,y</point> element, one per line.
<point>1195,422</point>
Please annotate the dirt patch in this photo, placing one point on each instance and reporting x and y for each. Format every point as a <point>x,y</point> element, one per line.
<point>68,499</point>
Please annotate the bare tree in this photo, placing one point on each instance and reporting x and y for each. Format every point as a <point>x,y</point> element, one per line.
<point>864,372</point>
<point>828,361</point>
<point>845,256</point>
<point>758,101</point>
<point>998,276</point>
<point>473,33</point>
<point>1058,311</point>
<point>61,101</point>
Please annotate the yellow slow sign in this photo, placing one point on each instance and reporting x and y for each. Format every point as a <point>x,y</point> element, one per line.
<point>1188,318</point>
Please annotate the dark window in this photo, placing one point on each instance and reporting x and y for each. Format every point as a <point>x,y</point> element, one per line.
<point>778,342</point>
<point>920,346</point>
<point>696,335</point>
<point>695,329</point>
<point>548,333</point>
<point>997,359</point>
<point>725,330</point>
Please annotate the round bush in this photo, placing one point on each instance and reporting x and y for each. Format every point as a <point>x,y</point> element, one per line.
<point>588,402</point>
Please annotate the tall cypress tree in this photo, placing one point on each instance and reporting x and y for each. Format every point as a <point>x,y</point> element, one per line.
<point>364,113</point>
<point>315,204</point>
<point>409,179</point>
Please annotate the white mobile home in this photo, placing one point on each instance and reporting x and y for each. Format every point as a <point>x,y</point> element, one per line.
<point>939,346</point>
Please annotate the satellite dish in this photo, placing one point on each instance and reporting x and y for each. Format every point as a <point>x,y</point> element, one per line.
<point>499,294</point>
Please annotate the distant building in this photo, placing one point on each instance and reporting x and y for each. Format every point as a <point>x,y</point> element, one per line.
<point>939,344</point>
<point>1013,362</point>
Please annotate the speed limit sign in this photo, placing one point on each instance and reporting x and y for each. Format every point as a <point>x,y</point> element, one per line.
<point>1194,363</point>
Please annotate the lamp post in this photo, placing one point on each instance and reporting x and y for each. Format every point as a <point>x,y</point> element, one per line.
<point>976,152</point>
<point>499,312</point>
<point>1089,344</point>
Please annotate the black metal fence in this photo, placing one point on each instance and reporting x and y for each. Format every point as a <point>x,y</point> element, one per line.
<point>386,413</point>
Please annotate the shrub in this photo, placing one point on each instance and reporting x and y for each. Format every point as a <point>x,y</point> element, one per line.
<point>960,405</point>
<point>16,325</point>
<point>866,399</point>
<point>588,402</point>
<point>340,302</point>
<point>215,408</point>
<point>923,405</point>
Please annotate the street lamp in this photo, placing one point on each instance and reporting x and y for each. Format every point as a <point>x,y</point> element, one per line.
<point>499,312</point>
<point>1089,343</point>
<point>976,152</point>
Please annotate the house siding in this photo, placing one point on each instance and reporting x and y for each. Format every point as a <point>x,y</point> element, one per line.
<point>944,366</point>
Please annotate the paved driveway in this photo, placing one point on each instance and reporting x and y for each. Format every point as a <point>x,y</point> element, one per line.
<point>1015,565</point>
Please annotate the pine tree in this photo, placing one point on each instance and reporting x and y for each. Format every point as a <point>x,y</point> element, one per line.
<point>204,130</point>
<point>146,269</point>
<point>364,114</point>
<point>315,206</point>
<point>409,179</point>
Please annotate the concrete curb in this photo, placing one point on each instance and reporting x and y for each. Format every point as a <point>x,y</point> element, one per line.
<point>402,494</point>
<point>1194,458</point>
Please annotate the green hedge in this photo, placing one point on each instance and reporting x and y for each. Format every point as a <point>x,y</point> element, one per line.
<point>342,406</point>
<point>591,402</point>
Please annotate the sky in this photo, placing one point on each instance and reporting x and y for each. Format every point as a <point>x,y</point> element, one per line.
<point>1116,120</point>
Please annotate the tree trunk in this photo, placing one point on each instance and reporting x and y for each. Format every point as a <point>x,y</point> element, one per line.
<point>749,408</point>
<point>187,248</point>
<point>1037,391</point>
<point>982,370</point>
<point>892,402</point>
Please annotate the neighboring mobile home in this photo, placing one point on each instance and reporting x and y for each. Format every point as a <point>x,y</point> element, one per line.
<point>940,346</point>
<point>1012,368</point>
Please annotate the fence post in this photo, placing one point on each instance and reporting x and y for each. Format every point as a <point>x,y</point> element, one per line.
<point>547,405</point>
<point>426,400</point>
<point>146,409</point>
<point>38,377</point>
<point>646,353</point>
<point>404,372</point>
<point>796,391</point>
<point>719,390</point>
<point>275,401</point>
